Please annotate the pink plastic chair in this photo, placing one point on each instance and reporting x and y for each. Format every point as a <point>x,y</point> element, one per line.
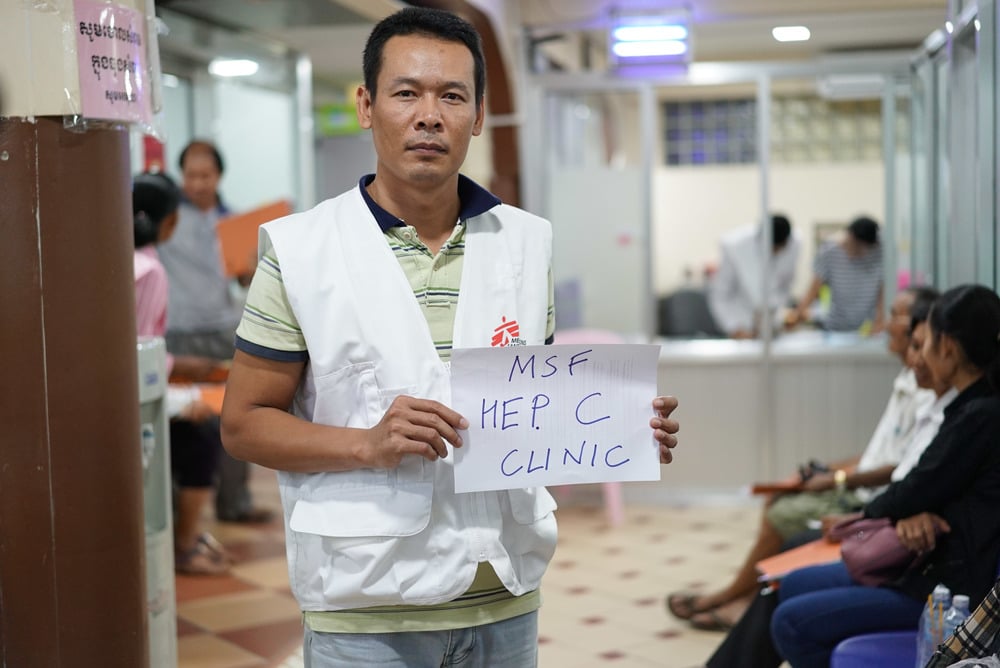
<point>614,504</point>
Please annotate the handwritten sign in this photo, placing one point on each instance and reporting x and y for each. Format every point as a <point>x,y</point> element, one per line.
<point>554,415</point>
<point>110,47</point>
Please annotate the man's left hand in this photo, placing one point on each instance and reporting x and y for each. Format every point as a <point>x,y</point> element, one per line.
<point>664,428</point>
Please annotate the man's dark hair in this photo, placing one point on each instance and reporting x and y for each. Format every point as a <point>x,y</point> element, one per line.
<point>433,23</point>
<point>202,146</point>
<point>781,229</point>
<point>923,299</point>
<point>865,230</point>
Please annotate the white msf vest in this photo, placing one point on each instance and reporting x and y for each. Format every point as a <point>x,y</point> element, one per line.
<point>384,537</point>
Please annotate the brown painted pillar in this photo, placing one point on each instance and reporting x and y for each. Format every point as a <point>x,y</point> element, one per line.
<point>72,570</point>
<point>506,180</point>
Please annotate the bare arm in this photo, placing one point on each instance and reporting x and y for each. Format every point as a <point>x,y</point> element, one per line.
<point>257,427</point>
<point>873,478</point>
<point>801,311</point>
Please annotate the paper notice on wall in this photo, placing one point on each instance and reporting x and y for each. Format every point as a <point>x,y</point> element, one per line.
<point>111,48</point>
<point>554,415</point>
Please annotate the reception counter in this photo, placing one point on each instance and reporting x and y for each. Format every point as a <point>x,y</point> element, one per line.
<point>746,416</point>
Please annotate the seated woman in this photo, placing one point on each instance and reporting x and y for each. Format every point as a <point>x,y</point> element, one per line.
<point>895,439</point>
<point>194,429</point>
<point>944,509</point>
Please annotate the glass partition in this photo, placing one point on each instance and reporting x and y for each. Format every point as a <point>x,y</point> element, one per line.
<point>923,165</point>
<point>963,157</point>
<point>953,149</point>
<point>987,237</point>
<point>942,170</point>
<point>901,164</point>
<point>596,193</point>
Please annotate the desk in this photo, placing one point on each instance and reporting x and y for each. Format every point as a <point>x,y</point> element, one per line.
<point>744,418</point>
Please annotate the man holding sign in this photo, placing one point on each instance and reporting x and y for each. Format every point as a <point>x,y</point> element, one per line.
<point>342,382</point>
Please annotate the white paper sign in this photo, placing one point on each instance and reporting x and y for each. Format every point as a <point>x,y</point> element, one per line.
<point>554,415</point>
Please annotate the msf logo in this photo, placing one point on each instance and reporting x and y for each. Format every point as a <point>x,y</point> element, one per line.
<point>507,334</point>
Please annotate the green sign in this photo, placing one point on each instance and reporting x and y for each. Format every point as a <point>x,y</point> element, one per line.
<point>336,119</point>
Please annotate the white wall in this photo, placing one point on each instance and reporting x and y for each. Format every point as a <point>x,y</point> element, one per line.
<point>256,134</point>
<point>694,206</point>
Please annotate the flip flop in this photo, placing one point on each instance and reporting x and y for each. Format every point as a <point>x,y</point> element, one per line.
<point>212,544</point>
<point>199,560</point>
<point>710,620</point>
<point>681,605</point>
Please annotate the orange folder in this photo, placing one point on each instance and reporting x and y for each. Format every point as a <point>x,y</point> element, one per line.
<point>238,236</point>
<point>820,551</point>
<point>213,394</point>
<point>792,484</point>
<point>775,487</point>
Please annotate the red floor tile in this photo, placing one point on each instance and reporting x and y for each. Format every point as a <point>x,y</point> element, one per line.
<point>250,550</point>
<point>186,628</point>
<point>191,587</point>
<point>271,641</point>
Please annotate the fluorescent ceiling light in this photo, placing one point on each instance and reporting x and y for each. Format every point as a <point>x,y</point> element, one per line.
<point>225,67</point>
<point>791,33</point>
<point>649,33</point>
<point>641,49</point>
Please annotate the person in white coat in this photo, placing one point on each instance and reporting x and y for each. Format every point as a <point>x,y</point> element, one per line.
<point>341,382</point>
<point>734,294</point>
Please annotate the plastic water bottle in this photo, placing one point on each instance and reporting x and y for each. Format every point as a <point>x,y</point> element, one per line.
<point>957,613</point>
<point>931,623</point>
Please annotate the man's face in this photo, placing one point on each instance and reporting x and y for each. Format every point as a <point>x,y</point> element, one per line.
<point>915,357</point>
<point>200,179</point>
<point>425,111</point>
<point>899,324</point>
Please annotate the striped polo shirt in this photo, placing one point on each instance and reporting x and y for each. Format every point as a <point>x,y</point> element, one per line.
<point>855,284</point>
<point>269,329</point>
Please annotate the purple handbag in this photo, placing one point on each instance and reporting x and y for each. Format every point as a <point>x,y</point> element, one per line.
<point>871,550</point>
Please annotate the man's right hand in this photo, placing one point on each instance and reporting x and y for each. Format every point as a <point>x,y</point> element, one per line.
<point>412,426</point>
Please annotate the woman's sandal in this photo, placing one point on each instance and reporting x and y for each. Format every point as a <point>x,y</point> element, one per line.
<point>213,545</point>
<point>200,560</point>
<point>682,605</point>
<point>710,620</point>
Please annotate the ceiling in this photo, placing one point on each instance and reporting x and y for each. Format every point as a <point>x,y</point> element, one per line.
<point>332,32</point>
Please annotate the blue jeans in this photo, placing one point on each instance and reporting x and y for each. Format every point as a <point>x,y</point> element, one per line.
<point>512,643</point>
<point>820,606</point>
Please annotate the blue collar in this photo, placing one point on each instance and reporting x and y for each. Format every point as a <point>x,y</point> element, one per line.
<point>220,208</point>
<point>474,200</point>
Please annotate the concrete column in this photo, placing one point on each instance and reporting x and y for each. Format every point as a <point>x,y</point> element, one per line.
<point>72,566</point>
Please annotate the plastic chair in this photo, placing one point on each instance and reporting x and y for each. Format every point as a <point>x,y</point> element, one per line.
<point>614,503</point>
<point>888,649</point>
<point>685,313</point>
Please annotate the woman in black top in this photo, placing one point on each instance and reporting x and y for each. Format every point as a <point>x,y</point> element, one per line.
<point>948,505</point>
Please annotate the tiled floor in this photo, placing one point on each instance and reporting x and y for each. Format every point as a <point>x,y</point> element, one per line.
<point>603,594</point>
